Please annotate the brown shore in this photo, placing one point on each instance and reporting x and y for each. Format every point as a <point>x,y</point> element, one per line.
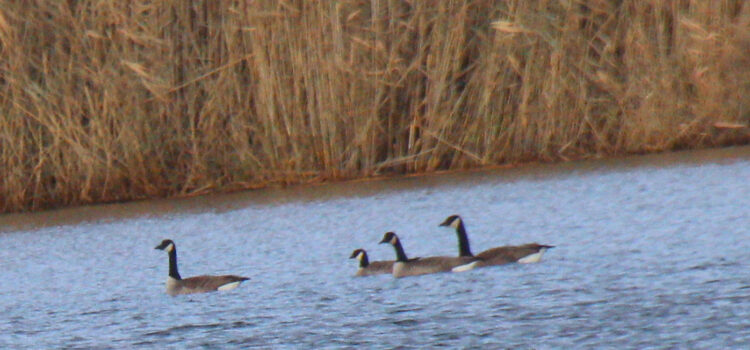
<point>122,100</point>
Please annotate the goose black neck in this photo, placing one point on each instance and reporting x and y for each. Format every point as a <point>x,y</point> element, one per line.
<point>173,264</point>
<point>400,255</point>
<point>463,241</point>
<point>364,262</point>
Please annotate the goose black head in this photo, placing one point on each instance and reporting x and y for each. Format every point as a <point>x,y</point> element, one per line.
<point>358,253</point>
<point>452,221</point>
<point>166,245</point>
<point>389,237</point>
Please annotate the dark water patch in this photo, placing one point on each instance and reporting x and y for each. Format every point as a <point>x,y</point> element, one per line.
<point>183,329</point>
<point>100,312</point>
<point>401,310</point>
<point>406,322</point>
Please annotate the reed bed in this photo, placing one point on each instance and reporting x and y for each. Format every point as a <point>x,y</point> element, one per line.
<point>116,100</point>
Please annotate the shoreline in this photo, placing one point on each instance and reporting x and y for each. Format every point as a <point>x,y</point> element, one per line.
<point>234,200</point>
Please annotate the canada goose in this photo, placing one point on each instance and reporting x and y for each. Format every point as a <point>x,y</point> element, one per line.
<point>420,266</point>
<point>198,284</point>
<point>367,268</point>
<point>526,253</point>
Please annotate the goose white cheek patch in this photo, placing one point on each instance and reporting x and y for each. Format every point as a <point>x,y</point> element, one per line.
<point>455,223</point>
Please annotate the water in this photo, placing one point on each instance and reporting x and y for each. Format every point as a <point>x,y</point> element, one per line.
<point>652,252</point>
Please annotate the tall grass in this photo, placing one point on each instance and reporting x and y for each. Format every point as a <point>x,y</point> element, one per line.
<point>117,100</point>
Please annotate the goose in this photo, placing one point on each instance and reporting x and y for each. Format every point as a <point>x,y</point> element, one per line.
<point>419,266</point>
<point>198,284</point>
<point>367,268</point>
<point>524,254</point>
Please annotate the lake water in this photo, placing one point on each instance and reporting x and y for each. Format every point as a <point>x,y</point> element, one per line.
<point>652,252</point>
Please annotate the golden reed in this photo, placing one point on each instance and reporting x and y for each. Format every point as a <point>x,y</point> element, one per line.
<point>116,100</point>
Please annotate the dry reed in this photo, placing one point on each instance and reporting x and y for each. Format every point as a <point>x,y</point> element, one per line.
<point>116,100</point>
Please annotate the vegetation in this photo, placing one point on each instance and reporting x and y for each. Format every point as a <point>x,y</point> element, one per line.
<point>116,100</point>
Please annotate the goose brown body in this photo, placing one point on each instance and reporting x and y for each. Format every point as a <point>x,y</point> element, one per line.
<point>176,285</point>
<point>420,266</point>
<point>376,268</point>
<point>203,284</point>
<point>525,253</point>
<point>370,268</point>
<point>510,254</point>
